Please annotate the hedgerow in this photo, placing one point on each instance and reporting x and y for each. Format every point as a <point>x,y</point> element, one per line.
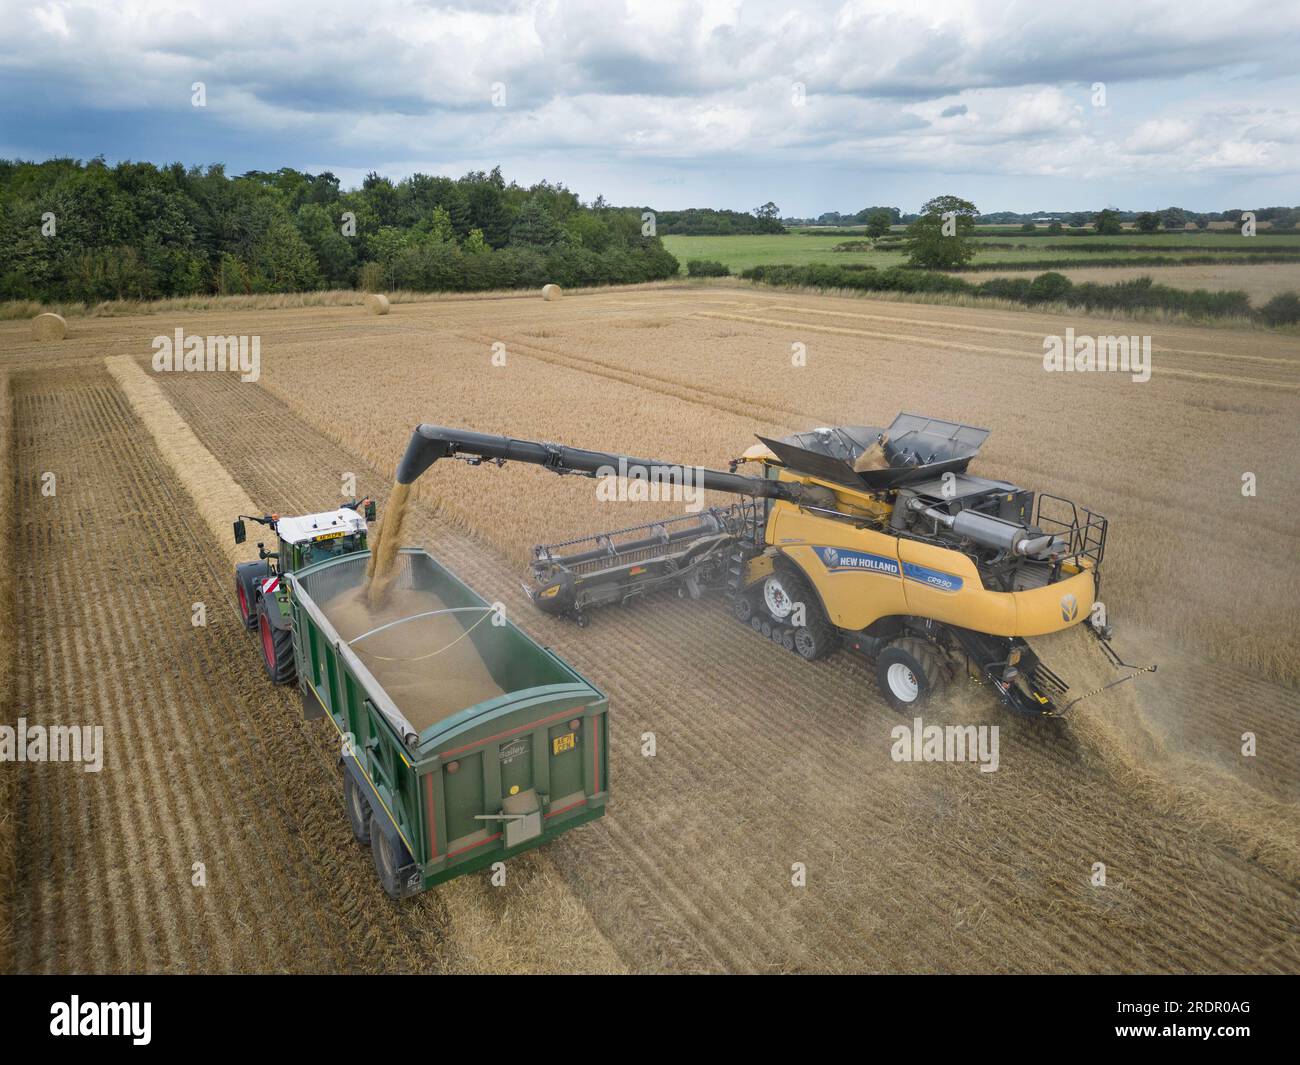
<point>1141,293</point>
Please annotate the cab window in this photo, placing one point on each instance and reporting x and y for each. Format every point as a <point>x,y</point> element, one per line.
<point>318,550</point>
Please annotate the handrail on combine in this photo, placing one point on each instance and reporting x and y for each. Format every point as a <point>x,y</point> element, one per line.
<point>1086,534</point>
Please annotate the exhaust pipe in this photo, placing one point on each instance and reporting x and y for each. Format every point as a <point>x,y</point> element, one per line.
<point>992,532</point>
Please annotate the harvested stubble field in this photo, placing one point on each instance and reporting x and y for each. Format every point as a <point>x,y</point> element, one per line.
<point>763,760</point>
<point>1260,281</point>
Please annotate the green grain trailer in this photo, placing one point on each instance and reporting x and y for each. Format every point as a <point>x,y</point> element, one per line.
<point>464,741</point>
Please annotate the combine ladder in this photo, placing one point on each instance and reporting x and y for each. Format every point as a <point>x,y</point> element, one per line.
<point>745,548</point>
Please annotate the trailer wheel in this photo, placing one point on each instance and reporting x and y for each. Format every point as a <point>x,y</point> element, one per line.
<point>909,672</point>
<point>358,808</point>
<point>387,861</point>
<point>277,647</point>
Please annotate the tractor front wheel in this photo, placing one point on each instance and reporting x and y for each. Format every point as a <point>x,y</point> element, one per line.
<point>247,577</point>
<point>277,647</point>
<point>909,672</point>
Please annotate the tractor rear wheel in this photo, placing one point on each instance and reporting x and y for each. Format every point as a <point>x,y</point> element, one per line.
<point>909,672</point>
<point>277,646</point>
<point>358,808</point>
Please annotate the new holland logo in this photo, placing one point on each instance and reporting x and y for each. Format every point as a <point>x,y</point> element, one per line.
<point>1069,607</point>
<point>842,560</point>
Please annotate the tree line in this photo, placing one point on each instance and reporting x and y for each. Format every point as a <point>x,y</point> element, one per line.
<point>707,222</point>
<point>87,231</point>
<point>1110,219</point>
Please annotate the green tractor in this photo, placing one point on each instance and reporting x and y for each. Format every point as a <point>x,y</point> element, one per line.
<point>263,597</point>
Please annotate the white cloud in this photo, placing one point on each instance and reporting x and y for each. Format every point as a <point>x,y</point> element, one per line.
<point>1160,135</point>
<point>985,86</point>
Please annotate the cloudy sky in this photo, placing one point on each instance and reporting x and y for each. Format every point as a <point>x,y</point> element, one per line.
<point>818,106</point>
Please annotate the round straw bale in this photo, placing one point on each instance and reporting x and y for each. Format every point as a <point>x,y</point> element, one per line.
<point>49,327</point>
<point>377,303</point>
<point>550,292</point>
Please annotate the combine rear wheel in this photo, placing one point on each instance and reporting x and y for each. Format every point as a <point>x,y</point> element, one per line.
<point>277,646</point>
<point>909,672</point>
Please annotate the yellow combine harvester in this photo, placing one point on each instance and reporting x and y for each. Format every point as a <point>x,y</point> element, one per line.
<point>874,539</point>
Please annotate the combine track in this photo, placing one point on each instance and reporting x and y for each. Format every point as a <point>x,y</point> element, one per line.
<point>204,762</point>
<point>764,761</point>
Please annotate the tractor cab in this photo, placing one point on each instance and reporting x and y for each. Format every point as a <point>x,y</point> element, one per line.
<point>262,597</point>
<point>313,538</point>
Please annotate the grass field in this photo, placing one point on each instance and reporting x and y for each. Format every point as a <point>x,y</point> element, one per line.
<point>741,252</point>
<point>764,759</point>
